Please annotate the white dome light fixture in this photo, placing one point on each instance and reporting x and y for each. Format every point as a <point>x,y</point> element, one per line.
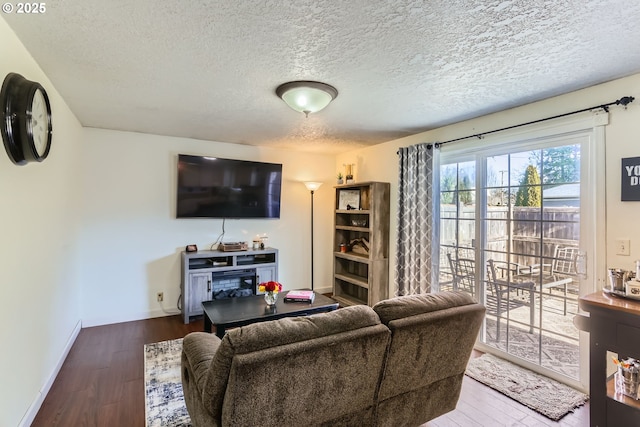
<point>306,96</point>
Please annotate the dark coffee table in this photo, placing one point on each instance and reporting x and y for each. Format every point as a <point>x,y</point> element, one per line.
<point>233,312</point>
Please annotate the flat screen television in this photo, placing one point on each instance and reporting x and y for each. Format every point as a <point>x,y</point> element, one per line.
<point>211,187</point>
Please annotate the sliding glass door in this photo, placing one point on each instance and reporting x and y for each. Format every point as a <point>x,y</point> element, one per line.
<point>531,244</point>
<point>511,224</point>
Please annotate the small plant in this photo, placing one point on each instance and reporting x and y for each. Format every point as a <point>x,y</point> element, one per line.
<point>339,176</point>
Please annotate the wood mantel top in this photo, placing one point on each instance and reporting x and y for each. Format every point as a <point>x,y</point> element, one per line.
<point>612,302</point>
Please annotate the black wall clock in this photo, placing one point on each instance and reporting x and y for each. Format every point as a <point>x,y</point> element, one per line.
<point>25,119</point>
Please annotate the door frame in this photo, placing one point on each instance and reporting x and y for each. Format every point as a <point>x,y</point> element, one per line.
<point>592,207</point>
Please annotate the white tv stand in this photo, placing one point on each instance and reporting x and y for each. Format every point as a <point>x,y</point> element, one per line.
<point>199,269</point>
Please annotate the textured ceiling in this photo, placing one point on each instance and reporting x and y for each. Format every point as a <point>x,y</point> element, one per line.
<point>209,69</point>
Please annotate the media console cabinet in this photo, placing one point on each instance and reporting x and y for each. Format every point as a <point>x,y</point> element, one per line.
<point>206,274</point>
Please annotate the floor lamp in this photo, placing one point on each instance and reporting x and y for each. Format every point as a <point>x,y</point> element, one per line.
<point>312,186</point>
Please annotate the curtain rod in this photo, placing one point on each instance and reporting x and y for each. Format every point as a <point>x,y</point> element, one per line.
<point>624,101</point>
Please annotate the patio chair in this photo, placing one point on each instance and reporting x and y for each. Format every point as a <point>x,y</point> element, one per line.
<point>502,288</point>
<point>463,271</point>
<point>445,280</point>
<point>508,269</point>
<point>563,261</point>
<point>560,273</point>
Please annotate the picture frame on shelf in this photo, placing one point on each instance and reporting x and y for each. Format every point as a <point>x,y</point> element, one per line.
<point>349,199</point>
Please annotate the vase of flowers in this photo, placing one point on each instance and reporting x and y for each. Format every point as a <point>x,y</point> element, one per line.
<point>270,290</point>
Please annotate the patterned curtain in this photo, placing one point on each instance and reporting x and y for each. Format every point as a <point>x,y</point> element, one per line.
<point>417,260</point>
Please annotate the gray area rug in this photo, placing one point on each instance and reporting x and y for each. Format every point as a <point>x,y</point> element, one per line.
<point>555,347</point>
<point>164,401</point>
<point>544,395</point>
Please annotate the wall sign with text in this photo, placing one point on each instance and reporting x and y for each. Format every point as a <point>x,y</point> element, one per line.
<point>631,179</point>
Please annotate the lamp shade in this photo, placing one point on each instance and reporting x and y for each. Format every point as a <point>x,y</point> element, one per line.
<point>312,186</point>
<point>306,96</point>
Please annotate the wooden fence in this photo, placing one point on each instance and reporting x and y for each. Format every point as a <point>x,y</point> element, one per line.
<point>535,232</point>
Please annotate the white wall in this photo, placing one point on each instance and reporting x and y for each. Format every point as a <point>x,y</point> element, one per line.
<point>39,215</point>
<point>132,241</point>
<point>380,162</point>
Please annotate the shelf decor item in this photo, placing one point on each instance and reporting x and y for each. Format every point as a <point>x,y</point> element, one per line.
<point>349,172</point>
<point>626,377</point>
<point>270,290</point>
<point>349,200</point>
<point>359,222</point>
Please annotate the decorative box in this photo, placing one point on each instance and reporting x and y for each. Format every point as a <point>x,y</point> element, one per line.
<point>633,288</point>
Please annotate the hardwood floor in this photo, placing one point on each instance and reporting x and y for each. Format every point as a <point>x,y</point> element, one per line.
<point>102,384</point>
<point>102,381</point>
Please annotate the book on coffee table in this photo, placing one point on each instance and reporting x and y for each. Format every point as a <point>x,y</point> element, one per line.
<point>300,296</point>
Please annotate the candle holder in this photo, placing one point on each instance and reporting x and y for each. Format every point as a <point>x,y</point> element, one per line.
<point>348,172</point>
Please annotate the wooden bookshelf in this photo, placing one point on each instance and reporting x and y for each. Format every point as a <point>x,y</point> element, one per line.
<point>361,278</point>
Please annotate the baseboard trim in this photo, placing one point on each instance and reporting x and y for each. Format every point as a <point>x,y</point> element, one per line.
<point>324,290</point>
<point>99,321</point>
<point>31,413</point>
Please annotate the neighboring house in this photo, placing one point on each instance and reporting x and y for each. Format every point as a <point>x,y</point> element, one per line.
<point>562,195</point>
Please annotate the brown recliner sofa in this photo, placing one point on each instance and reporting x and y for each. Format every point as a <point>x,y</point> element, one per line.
<point>400,363</point>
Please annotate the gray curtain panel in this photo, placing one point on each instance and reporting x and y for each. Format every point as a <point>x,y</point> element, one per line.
<point>418,220</point>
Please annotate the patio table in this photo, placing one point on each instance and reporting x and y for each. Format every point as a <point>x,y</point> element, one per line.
<point>530,281</point>
<point>547,281</point>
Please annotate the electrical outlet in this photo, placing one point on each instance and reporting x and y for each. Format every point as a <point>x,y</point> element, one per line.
<point>622,247</point>
<point>160,296</point>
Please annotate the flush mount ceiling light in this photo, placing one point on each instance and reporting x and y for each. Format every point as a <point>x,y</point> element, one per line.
<point>306,96</point>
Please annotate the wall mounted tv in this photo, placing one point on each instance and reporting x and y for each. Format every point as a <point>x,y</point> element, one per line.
<point>210,187</point>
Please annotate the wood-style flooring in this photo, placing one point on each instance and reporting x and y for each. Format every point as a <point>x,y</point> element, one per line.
<point>102,381</point>
<point>102,384</point>
<point>480,405</point>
